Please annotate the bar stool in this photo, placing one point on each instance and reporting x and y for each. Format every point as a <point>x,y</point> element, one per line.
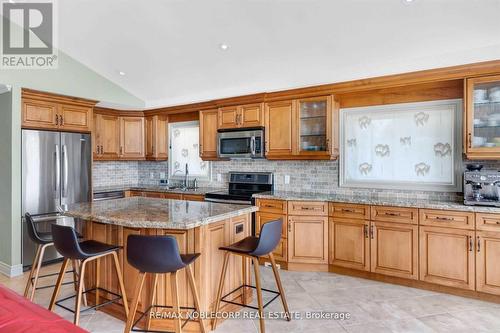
<point>43,240</point>
<point>66,243</point>
<point>255,247</point>
<point>159,255</point>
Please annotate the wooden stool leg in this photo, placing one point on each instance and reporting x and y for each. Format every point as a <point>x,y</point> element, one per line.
<point>78,301</point>
<point>259,294</point>
<point>221,287</point>
<point>280,286</point>
<point>57,287</point>
<point>29,283</point>
<point>175,301</point>
<point>80,276</point>
<point>192,283</point>
<point>75,273</point>
<point>151,299</point>
<point>97,279</point>
<point>135,301</point>
<point>120,282</point>
<point>37,271</point>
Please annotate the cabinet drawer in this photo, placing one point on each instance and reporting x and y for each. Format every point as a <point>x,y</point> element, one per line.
<point>272,206</point>
<point>308,208</point>
<point>351,211</point>
<point>446,218</point>
<point>262,218</point>
<point>488,222</point>
<point>394,214</point>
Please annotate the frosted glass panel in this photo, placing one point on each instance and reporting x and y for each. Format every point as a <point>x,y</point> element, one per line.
<point>405,146</point>
<point>185,148</point>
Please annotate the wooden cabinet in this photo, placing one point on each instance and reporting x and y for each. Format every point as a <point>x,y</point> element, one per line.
<point>394,214</point>
<point>156,137</point>
<point>308,239</point>
<point>482,113</point>
<point>271,210</point>
<point>351,211</point>
<point>447,257</point>
<point>106,137</point>
<point>54,112</point>
<point>488,262</point>
<point>193,197</point>
<point>487,222</point>
<point>394,249</point>
<point>132,138</point>
<point>349,243</point>
<point>250,115</point>
<point>280,133</point>
<point>446,218</point>
<point>309,208</point>
<point>208,134</point>
<point>272,206</point>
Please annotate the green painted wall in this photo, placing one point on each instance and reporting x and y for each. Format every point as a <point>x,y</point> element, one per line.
<point>70,78</point>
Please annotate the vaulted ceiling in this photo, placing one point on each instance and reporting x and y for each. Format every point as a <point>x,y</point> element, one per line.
<point>170,50</point>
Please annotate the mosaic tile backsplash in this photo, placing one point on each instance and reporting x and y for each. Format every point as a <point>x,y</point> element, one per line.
<point>305,176</point>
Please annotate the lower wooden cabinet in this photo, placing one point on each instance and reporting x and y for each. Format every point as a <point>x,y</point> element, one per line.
<point>488,262</point>
<point>261,218</point>
<point>349,243</point>
<point>394,249</point>
<point>447,257</point>
<point>308,239</point>
<point>166,195</point>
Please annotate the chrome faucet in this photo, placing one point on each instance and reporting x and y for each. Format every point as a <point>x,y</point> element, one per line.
<point>186,177</point>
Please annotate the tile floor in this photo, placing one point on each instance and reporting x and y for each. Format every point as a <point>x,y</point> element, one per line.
<point>373,307</point>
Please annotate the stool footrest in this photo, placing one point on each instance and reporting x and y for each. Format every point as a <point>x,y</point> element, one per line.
<point>276,295</point>
<point>163,307</point>
<point>52,285</point>
<point>116,298</point>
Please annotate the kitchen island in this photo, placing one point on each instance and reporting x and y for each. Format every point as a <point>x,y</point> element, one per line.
<point>199,227</point>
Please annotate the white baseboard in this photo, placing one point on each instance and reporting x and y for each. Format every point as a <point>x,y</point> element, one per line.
<point>11,271</point>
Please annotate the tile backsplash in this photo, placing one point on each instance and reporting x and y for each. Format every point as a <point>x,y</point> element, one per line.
<point>305,176</point>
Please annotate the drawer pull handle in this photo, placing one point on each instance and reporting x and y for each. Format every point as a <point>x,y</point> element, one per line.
<point>268,206</point>
<point>346,210</point>
<point>471,244</point>
<point>478,244</point>
<point>392,214</point>
<point>365,230</point>
<point>444,218</point>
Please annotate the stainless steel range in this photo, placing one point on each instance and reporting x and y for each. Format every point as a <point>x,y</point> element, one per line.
<point>242,185</point>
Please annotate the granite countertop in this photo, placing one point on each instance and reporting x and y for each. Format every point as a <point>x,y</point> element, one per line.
<point>371,200</point>
<point>154,188</point>
<point>139,212</point>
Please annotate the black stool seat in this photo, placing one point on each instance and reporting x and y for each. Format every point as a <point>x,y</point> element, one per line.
<point>246,245</point>
<point>92,248</point>
<point>187,259</point>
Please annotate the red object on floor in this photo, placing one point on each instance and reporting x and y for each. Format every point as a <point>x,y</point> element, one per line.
<point>19,315</point>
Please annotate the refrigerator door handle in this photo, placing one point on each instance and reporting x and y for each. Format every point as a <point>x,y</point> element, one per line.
<point>58,169</point>
<point>65,170</point>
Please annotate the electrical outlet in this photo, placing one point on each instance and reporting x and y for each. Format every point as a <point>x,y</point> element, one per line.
<point>219,177</point>
<point>287,179</point>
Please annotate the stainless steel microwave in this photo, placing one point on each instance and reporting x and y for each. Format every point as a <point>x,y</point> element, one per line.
<point>241,143</point>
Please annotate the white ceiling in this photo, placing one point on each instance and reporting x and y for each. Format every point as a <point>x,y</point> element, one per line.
<point>170,50</point>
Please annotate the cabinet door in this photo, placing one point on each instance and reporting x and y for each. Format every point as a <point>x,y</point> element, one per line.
<point>251,115</point>
<point>229,117</point>
<point>349,243</point>
<point>108,132</point>
<point>132,138</point>
<point>314,122</point>
<point>156,137</point>
<point>262,218</point>
<point>447,257</point>
<point>208,134</point>
<point>394,249</point>
<point>308,239</point>
<point>482,138</point>
<point>488,262</point>
<point>150,124</point>
<point>96,139</point>
<point>75,118</point>
<point>279,120</point>
<point>39,114</point>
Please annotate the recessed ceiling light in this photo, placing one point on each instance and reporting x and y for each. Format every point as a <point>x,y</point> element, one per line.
<point>223,46</point>
<point>121,73</point>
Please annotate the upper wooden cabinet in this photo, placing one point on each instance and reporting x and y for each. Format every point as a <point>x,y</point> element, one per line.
<point>249,115</point>
<point>302,129</point>
<point>132,138</point>
<point>482,123</point>
<point>54,112</point>
<point>118,137</point>
<point>156,137</point>
<point>208,134</point>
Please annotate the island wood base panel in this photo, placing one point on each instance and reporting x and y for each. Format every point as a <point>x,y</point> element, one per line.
<point>205,239</point>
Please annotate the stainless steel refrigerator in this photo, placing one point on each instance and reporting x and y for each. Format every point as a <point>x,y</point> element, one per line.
<point>56,172</point>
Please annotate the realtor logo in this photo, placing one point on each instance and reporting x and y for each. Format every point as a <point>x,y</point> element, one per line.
<point>28,35</point>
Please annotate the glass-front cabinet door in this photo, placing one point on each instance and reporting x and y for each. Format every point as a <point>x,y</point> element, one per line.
<point>483,117</point>
<point>314,125</point>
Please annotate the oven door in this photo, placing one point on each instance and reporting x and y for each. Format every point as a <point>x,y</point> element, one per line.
<point>241,144</point>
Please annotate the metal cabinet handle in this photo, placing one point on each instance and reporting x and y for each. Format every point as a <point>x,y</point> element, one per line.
<point>346,210</point>
<point>61,120</point>
<point>470,139</point>
<point>478,244</point>
<point>471,244</point>
<point>289,227</point>
<point>365,231</point>
<point>57,119</point>
<point>392,214</point>
<point>444,218</point>
<point>121,150</point>
<point>371,232</point>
